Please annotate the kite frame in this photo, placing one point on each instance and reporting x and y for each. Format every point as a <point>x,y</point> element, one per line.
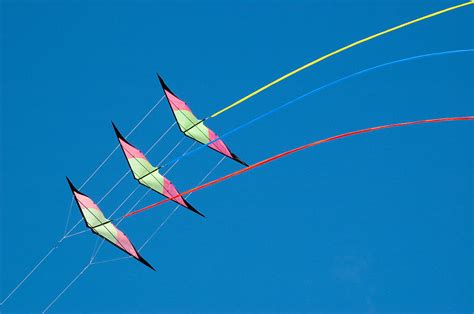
<point>74,190</point>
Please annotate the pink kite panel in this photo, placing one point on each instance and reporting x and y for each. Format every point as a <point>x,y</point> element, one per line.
<point>125,244</point>
<point>219,144</point>
<point>130,151</point>
<point>176,103</point>
<point>170,191</point>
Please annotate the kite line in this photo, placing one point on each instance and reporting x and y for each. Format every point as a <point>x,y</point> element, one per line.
<point>293,101</point>
<point>297,149</point>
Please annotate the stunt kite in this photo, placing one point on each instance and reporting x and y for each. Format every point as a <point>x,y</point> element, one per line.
<point>103,227</point>
<point>148,175</point>
<point>194,128</point>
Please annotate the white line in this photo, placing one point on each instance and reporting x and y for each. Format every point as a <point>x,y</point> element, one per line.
<point>124,201</point>
<point>111,260</point>
<point>68,216</point>
<point>99,167</point>
<point>113,187</point>
<point>144,117</point>
<point>66,288</point>
<point>75,234</point>
<point>32,271</point>
<point>161,137</point>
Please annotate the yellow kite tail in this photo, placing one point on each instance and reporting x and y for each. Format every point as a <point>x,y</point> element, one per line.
<point>261,89</point>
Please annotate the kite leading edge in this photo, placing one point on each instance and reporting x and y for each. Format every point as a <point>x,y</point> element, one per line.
<point>103,227</point>
<point>194,128</point>
<point>149,175</point>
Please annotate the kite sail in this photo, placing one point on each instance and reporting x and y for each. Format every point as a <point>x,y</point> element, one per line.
<point>103,227</point>
<point>194,128</point>
<point>149,175</point>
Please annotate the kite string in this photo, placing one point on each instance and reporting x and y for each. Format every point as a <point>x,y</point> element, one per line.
<point>297,149</point>
<point>76,233</point>
<point>172,150</point>
<point>66,288</point>
<point>68,215</point>
<point>293,101</point>
<point>160,138</point>
<point>113,187</point>
<point>125,200</point>
<point>111,260</point>
<point>144,117</point>
<point>32,271</point>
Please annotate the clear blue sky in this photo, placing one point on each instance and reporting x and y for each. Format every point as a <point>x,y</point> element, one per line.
<point>379,222</point>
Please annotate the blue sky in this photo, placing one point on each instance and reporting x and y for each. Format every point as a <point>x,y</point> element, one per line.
<point>376,223</point>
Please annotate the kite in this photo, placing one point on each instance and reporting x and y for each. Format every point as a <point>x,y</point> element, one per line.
<point>194,128</point>
<point>148,175</point>
<point>103,227</point>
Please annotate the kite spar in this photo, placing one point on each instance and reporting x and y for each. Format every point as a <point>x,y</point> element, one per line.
<point>148,175</point>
